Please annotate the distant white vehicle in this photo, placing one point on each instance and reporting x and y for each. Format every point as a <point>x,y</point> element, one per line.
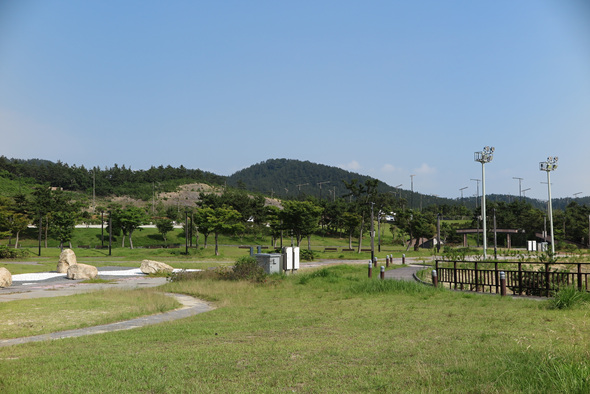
<point>390,218</point>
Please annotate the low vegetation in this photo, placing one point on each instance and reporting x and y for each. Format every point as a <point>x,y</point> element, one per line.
<point>328,330</point>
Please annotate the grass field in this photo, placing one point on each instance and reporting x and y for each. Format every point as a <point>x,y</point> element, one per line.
<point>329,330</point>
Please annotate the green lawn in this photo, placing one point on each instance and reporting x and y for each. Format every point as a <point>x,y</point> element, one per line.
<point>331,330</point>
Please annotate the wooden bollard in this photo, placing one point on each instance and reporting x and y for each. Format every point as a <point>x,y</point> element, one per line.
<point>502,283</point>
<point>434,278</point>
<point>374,261</point>
<point>387,261</point>
<point>404,258</point>
<point>382,272</point>
<point>370,269</point>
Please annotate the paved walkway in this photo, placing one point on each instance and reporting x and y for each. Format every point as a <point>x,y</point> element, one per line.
<point>191,306</point>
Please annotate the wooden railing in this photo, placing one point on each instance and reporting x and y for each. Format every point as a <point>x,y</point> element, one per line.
<point>540,279</point>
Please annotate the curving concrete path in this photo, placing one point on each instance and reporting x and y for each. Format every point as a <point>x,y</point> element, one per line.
<point>191,306</point>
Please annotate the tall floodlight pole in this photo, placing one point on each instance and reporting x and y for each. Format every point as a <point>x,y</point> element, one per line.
<point>548,166</point>
<point>519,186</point>
<point>484,157</point>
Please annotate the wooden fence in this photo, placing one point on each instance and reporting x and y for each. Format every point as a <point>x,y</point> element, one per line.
<point>539,279</point>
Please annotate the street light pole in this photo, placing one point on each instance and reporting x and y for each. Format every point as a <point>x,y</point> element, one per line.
<point>519,186</point>
<point>548,166</point>
<point>476,192</point>
<point>484,157</point>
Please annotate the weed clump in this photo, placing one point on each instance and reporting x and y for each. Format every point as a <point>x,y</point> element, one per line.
<point>245,268</point>
<point>568,298</point>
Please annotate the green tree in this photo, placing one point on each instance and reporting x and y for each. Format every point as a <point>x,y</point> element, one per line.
<point>164,226</point>
<point>127,221</point>
<point>302,218</point>
<point>203,224</point>
<point>18,223</point>
<point>364,196</point>
<point>224,220</point>
<point>62,226</point>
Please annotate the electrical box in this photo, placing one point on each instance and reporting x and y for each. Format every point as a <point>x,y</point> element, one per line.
<point>531,246</point>
<point>287,258</point>
<point>270,262</point>
<point>542,246</point>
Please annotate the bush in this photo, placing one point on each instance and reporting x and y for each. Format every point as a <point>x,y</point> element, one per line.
<point>11,253</point>
<point>246,268</point>
<point>307,255</point>
<point>568,297</point>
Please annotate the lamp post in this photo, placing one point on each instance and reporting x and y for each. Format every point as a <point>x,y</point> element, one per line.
<point>548,166</point>
<point>476,192</point>
<point>484,157</point>
<point>519,186</point>
<point>524,192</point>
<point>461,190</point>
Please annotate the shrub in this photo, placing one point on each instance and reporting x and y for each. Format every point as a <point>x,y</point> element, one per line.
<point>246,268</point>
<point>568,297</point>
<point>307,255</point>
<point>11,253</point>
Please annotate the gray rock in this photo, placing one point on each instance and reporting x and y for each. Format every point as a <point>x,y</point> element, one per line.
<point>67,258</point>
<point>152,267</point>
<point>5,277</point>
<point>82,271</point>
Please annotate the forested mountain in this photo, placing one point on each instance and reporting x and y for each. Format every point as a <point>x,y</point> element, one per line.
<point>106,182</point>
<point>295,179</point>
<point>282,178</point>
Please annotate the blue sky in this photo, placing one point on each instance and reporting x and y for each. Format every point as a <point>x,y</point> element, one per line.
<point>382,88</point>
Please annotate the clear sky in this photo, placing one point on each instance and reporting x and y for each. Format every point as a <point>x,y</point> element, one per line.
<point>383,88</point>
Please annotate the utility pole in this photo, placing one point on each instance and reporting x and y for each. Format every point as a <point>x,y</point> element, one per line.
<point>321,183</point>
<point>519,186</point>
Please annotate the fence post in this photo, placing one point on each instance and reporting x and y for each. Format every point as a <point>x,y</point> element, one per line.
<point>434,278</point>
<point>519,278</point>
<point>496,276</point>
<point>382,272</point>
<point>476,278</point>
<point>547,279</point>
<point>579,277</point>
<point>455,273</point>
<point>370,269</point>
<point>502,283</point>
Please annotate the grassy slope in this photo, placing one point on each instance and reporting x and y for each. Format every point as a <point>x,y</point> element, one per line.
<point>331,332</point>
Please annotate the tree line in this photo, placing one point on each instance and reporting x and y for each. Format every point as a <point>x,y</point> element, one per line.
<point>116,180</point>
<point>236,212</point>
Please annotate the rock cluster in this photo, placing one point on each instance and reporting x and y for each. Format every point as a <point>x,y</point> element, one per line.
<point>68,265</point>
<point>67,258</point>
<point>153,267</point>
<point>5,277</point>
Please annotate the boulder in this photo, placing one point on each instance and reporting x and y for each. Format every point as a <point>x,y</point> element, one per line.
<point>5,277</point>
<point>82,271</point>
<point>153,267</point>
<point>67,258</point>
